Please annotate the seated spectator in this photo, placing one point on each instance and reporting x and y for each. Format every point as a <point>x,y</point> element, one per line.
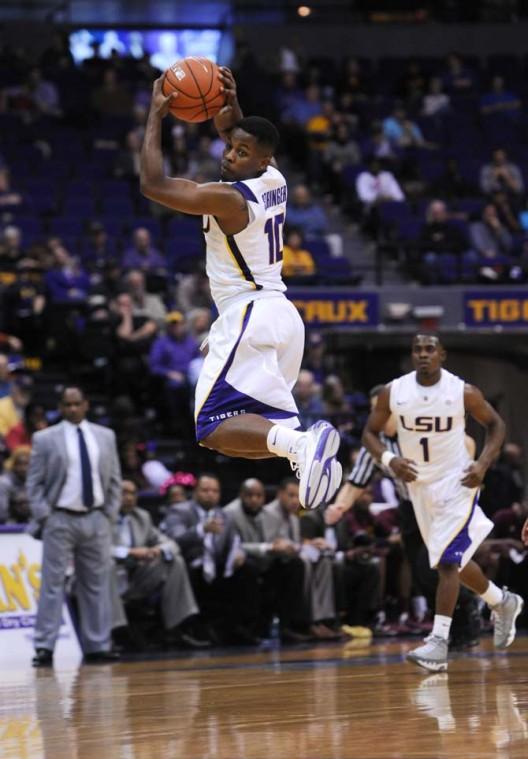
<point>144,303</point>
<point>150,564</point>
<point>303,107</point>
<point>203,165</point>
<point>337,407</point>
<point>112,98</point>
<point>296,261</point>
<point>170,357</point>
<point>355,81</point>
<point>340,151</point>
<point>500,101</point>
<point>66,282</point>
<point>306,214</point>
<point>435,102</point>
<point>401,131</point>
<point>126,165</point>
<point>9,197</point>
<point>224,583</point>
<point>379,146</point>
<point>307,398</point>
<point>501,175</point>
<point>24,303</point>
<point>43,93</point>
<point>315,357</point>
<point>11,250</point>
<point>194,291</point>
<point>440,238</point>
<point>34,419</point>
<point>412,85</point>
<point>452,184</point>
<point>14,502</point>
<point>492,241</point>
<point>280,569</point>
<point>375,185</point>
<point>5,376</point>
<point>12,407</point>
<point>142,254</point>
<point>458,79</point>
<point>98,249</point>
<point>356,575</point>
<point>199,321</point>
<point>133,335</point>
<point>178,487</point>
<point>504,481</point>
<point>281,521</point>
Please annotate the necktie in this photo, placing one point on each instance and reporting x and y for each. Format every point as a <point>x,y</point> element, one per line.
<point>86,471</point>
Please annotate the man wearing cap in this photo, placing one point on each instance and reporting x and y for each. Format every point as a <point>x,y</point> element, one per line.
<point>169,360</point>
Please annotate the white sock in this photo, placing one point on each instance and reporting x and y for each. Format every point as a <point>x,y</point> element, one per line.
<point>282,441</point>
<point>493,595</point>
<point>441,626</point>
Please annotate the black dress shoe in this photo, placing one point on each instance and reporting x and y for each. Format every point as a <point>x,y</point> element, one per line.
<point>243,636</point>
<point>43,658</point>
<point>287,635</point>
<point>189,641</point>
<point>102,657</point>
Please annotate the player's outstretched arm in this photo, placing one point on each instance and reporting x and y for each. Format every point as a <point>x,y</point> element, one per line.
<point>231,113</point>
<point>403,468</point>
<point>182,195</point>
<point>478,407</point>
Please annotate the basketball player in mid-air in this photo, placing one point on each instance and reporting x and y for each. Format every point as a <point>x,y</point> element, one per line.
<point>244,404</point>
<point>430,405</point>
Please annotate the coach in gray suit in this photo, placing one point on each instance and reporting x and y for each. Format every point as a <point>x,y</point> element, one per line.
<point>74,490</point>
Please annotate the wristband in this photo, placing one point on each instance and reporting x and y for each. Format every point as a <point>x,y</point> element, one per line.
<point>386,458</point>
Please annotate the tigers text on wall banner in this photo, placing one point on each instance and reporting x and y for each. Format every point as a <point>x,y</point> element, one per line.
<point>327,308</point>
<point>20,564</point>
<point>485,308</point>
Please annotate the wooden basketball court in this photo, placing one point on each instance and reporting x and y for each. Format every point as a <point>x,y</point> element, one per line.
<point>324,702</point>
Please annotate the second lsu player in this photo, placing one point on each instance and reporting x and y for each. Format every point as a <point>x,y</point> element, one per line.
<point>430,405</point>
<point>244,404</point>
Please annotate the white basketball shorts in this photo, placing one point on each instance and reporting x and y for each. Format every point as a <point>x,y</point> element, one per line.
<point>451,522</point>
<point>255,353</point>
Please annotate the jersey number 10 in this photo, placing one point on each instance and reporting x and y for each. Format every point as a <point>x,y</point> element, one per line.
<point>273,228</point>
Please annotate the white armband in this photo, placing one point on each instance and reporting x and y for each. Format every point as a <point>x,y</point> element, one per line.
<point>386,458</point>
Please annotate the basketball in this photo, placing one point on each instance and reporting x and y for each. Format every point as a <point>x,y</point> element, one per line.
<point>199,90</point>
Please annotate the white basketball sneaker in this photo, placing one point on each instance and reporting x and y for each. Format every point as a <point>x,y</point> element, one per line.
<point>315,464</point>
<point>504,617</point>
<point>432,655</point>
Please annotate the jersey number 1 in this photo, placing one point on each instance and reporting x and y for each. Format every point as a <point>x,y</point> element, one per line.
<point>424,442</point>
<point>273,228</point>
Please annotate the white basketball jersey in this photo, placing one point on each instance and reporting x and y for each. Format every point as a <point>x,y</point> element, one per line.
<point>431,424</point>
<point>251,260</point>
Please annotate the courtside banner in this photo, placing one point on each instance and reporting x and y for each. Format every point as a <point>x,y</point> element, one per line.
<point>496,308</point>
<point>331,308</point>
<point>20,560</point>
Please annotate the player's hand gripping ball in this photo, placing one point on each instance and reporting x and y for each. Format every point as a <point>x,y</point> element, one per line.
<point>196,89</point>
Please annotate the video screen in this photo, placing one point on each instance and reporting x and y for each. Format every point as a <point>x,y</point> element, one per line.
<point>163,46</point>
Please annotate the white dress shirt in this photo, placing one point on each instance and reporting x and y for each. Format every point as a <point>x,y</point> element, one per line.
<point>71,494</point>
<point>372,187</point>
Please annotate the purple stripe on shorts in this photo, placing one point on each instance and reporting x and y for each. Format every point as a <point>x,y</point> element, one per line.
<point>455,551</point>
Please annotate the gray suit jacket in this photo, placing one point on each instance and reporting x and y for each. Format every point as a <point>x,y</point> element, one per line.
<point>144,534</point>
<point>48,468</point>
<point>250,529</point>
<point>276,525</point>
<point>181,525</point>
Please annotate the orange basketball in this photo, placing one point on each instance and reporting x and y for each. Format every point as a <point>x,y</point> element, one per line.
<point>198,87</point>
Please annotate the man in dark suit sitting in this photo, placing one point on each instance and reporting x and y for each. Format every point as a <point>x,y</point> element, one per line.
<point>147,562</point>
<point>280,568</point>
<point>223,582</point>
<point>356,575</point>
